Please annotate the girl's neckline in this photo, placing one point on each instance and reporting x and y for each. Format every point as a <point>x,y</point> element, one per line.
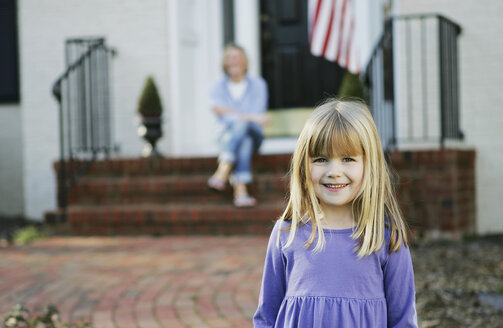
<point>345,231</point>
<point>331,230</point>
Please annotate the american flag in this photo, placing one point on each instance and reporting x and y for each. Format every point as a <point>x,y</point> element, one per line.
<point>332,32</point>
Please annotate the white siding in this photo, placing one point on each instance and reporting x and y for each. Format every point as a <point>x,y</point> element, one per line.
<point>137,29</point>
<point>179,42</point>
<point>480,53</point>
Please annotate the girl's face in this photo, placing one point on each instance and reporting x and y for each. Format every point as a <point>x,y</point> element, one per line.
<point>336,181</point>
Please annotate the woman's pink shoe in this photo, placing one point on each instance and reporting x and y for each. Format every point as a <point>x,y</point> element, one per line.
<point>216,184</point>
<point>244,201</point>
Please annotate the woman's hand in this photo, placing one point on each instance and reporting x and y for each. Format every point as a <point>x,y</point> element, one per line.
<point>222,110</point>
<point>261,119</point>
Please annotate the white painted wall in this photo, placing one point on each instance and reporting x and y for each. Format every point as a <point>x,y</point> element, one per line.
<point>179,42</point>
<point>137,29</point>
<point>480,64</point>
<point>11,159</point>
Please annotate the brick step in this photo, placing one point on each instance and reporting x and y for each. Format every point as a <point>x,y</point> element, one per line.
<point>176,166</point>
<point>168,189</point>
<point>178,219</point>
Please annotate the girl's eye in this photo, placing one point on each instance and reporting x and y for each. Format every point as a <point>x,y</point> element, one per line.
<point>347,159</point>
<point>320,160</point>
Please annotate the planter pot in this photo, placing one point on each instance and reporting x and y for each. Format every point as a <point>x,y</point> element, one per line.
<point>151,130</point>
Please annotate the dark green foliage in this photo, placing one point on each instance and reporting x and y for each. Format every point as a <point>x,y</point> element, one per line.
<point>20,317</point>
<point>352,87</point>
<point>149,104</point>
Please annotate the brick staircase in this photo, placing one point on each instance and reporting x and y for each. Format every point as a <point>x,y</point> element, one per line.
<point>169,196</point>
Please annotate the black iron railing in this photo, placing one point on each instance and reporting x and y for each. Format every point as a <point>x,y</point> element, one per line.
<point>412,81</point>
<point>83,92</point>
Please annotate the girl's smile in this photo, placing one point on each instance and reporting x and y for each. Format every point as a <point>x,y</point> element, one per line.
<point>335,187</point>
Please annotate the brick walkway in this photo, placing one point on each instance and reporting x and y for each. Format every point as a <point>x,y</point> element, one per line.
<point>138,281</point>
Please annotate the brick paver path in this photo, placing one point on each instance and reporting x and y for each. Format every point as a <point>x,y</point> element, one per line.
<point>138,281</point>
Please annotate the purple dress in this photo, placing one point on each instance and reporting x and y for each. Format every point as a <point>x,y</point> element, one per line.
<point>333,288</point>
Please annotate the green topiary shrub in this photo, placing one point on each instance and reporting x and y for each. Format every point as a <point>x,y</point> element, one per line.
<point>352,87</point>
<point>149,104</point>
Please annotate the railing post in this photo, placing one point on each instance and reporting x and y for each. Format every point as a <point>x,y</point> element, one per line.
<point>442,66</point>
<point>449,84</point>
<point>411,123</point>
<point>82,93</point>
<point>62,195</point>
<point>389,92</point>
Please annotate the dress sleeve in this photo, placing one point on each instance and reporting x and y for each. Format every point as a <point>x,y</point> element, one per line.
<point>400,290</point>
<point>273,284</point>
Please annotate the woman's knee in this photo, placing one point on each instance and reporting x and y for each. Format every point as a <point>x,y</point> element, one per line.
<point>240,128</point>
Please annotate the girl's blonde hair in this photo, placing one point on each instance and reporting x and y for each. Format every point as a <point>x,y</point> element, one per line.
<point>345,128</point>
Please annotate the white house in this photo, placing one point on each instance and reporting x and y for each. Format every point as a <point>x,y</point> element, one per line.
<point>180,43</point>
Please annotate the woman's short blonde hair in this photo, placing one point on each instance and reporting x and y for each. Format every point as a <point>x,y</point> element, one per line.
<point>229,47</point>
<point>345,128</point>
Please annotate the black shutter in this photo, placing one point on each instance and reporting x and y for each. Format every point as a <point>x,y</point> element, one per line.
<point>9,67</point>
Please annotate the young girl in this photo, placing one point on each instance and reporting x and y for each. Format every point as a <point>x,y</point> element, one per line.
<point>338,255</point>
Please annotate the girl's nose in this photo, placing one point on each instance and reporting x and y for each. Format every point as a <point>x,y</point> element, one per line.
<point>334,170</point>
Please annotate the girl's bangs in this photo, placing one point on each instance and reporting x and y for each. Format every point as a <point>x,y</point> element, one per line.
<point>335,138</point>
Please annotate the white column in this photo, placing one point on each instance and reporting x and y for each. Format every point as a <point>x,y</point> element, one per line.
<point>247,32</point>
<point>194,55</point>
<point>173,114</point>
<point>209,69</point>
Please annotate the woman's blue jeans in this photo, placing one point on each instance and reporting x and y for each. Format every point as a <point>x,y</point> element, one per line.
<point>239,142</point>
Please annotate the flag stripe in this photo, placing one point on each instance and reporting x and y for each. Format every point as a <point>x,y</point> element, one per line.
<point>332,32</point>
<point>329,29</point>
<point>347,41</point>
<point>348,49</point>
<point>341,29</point>
<point>315,20</point>
<point>321,27</point>
<point>334,40</point>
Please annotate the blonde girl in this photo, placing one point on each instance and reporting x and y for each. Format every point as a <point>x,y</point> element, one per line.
<point>338,256</point>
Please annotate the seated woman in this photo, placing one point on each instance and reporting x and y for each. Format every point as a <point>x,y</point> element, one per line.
<point>240,102</point>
